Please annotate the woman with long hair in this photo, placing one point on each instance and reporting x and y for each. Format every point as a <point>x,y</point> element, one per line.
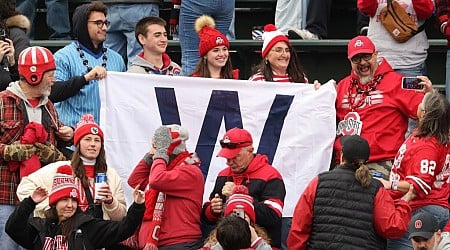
<point>87,161</point>
<point>423,161</point>
<point>280,62</point>
<point>65,226</point>
<point>215,60</point>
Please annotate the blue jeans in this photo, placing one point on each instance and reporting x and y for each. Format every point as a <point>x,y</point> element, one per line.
<point>286,223</point>
<point>120,35</point>
<point>6,243</point>
<point>57,16</point>
<point>447,76</point>
<point>419,70</point>
<point>442,215</point>
<point>222,12</point>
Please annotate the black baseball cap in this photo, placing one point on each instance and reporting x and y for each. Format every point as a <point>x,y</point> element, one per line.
<point>423,224</point>
<point>354,147</point>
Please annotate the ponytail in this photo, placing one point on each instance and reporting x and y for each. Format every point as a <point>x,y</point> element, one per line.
<point>362,174</point>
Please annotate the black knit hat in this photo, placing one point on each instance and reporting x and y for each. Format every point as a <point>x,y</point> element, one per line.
<point>354,147</point>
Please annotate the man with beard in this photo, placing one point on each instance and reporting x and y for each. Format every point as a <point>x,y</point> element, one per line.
<point>80,56</point>
<point>371,103</point>
<point>23,102</point>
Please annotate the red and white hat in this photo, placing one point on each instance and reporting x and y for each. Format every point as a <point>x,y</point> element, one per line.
<point>240,199</point>
<point>34,62</point>
<point>86,126</point>
<point>63,185</point>
<point>208,35</point>
<point>270,37</point>
<point>358,45</point>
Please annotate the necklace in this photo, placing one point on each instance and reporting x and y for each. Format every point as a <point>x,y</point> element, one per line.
<point>86,62</point>
<point>357,94</point>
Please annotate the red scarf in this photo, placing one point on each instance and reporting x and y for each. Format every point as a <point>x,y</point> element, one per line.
<point>154,203</point>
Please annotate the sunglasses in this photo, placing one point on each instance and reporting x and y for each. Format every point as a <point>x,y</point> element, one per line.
<point>231,145</point>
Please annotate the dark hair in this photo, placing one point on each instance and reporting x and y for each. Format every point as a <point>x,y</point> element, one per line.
<point>7,10</point>
<point>78,169</point>
<point>436,120</point>
<point>96,6</point>
<point>142,25</point>
<point>233,233</point>
<point>294,69</point>
<point>202,69</point>
<point>67,226</point>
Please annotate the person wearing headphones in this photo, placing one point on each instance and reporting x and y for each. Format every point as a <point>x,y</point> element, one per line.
<point>23,102</point>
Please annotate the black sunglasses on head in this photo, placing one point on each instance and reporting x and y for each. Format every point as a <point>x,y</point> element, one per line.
<point>231,145</point>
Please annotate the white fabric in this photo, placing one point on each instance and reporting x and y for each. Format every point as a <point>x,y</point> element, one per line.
<point>130,115</point>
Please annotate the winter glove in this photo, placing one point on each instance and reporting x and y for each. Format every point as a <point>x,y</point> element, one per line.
<point>48,153</point>
<point>18,152</point>
<point>164,145</point>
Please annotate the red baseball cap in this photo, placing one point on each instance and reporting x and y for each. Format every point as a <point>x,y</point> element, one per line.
<point>233,141</point>
<point>358,45</point>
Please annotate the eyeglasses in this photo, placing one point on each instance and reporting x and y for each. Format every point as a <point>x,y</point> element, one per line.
<point>280,50</point>
<point>357,59</point>
<point>100,23</point>
<point>231,145</point>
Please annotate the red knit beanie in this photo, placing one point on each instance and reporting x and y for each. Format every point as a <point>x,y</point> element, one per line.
<point>209,36</point>
<point>86,126</point>
<point>270,37</point>
<point>63,185</point>
<point>240,199</point>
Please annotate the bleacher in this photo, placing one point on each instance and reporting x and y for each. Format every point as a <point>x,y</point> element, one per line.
<point>322,59</point>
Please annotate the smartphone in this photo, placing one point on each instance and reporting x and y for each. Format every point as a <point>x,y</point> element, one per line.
<point>411,83</point>
<point>239,213</point>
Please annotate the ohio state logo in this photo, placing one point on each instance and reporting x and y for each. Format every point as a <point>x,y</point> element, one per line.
<point>351,125</point>
<point>219,40</point>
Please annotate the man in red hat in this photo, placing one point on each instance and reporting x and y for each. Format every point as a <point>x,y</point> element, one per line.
<point>263,181</point>
<point>23,102</point>
<point>371,103</point>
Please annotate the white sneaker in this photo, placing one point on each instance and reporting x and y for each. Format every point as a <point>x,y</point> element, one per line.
<point>302,34</point>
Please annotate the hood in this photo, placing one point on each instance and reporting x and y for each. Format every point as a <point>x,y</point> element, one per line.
<point>15,88</point>
<point>139,60</point>
<point>19,21</point>
<point>80,30</point>
<point>383,68</point>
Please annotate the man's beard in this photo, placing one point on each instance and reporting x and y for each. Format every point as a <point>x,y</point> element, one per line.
<point>365,79</point>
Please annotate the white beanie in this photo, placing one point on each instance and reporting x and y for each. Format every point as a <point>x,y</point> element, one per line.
<point>270,37</point>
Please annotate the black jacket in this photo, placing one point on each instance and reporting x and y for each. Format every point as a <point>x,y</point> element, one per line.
<point>90,233</point>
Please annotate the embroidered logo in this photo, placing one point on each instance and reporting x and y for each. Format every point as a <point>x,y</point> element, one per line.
<point>351,125</point>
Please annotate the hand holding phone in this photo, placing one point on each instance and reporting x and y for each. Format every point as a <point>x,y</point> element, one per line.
<point>411,83</point>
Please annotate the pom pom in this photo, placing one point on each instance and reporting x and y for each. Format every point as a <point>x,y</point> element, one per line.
<point>85,119</point>
<point>240,189</point>
<point>64,169</point>
<point>204,21</point>
<point>269,27</point>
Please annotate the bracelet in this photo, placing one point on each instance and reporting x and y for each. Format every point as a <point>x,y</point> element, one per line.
<point>394,185</point>
<point>176,6</point>
<point>442,28</point>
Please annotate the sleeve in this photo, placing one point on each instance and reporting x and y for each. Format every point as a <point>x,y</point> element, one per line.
<point>423,8</point>
<point>62,61</point>
<point>20,41</point>
<point>22,233</point>
<point>140,173</point>
<point>368,7</point>
<point>427,158</point>
<point>391,218</point>
<point>13,73</point>
<point>63,90</point>
<point>184,177</point>
<point>302,218</point>
<point>40,178</point>
<point>269,209</point>
<point>207,215</point>
<point>441,11</point>
<point>118,208</point>
<point>102,233</point>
